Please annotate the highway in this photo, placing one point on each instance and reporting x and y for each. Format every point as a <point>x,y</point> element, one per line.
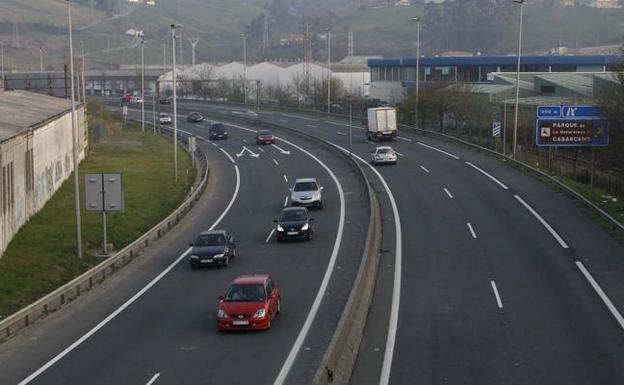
<point>494,278</point>
<point>155,321</point>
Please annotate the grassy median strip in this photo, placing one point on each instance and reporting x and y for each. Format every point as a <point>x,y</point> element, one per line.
<point>41,257</point>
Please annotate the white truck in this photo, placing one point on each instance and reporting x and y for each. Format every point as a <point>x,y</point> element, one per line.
<point>382,124</point>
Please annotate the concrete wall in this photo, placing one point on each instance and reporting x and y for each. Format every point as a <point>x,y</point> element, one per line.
<point>33,165</point>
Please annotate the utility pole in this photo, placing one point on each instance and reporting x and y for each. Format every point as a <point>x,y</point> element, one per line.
<point>164,54</point>
<point>2,61</point>
<point>329,73</point>
<point>193,42</point>
<point>74,137</point>
<point>515,132</point>
<point>245,65</point>
<point>181,49</point>
<point>417,21</point>
<point>175,106</point>
<point>143,85</point>
<point>82,54</point>
<point>41,59</point>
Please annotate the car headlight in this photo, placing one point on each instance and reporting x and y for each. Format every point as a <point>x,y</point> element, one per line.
<point>194,257</point>
<point>305,227</point>
<point>280,228</point>
<point>260,313</point>
<point>218,256</point>
<point>222,314</point>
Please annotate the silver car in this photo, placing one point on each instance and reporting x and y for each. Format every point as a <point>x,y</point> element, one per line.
<point>384,154</point>
<point>164,118</point>
<point>306,192</point>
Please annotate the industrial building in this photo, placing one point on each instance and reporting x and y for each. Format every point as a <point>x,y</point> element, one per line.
<point>35,154</point>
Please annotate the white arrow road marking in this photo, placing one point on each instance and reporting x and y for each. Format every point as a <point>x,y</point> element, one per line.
<point>153,379</point>
<point>472,232</point>
<point>424,169</point>
<point>281,150</point>
<point>245,149</point>
<point>498,298</point>
<point>269,237</point>
<point>276,162</point>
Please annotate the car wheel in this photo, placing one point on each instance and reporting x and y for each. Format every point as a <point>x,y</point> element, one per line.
<point>279,240</point>
<point>193,267</point>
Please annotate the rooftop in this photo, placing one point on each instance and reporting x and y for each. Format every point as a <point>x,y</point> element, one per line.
<point>23,110</point>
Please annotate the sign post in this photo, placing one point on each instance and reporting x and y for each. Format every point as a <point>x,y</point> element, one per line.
<point>104,193</point>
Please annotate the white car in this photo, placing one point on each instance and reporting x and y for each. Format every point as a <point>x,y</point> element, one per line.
<point>137,100</point>
<point>306,192</point>
<point>164,119</point>
<point>384,154</point>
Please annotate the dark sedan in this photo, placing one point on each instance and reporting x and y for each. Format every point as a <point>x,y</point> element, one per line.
<point>194,117</point>
<point>217,131</point>
<point>294,223</point>
<point>212,248</point>
<point>265,137</point>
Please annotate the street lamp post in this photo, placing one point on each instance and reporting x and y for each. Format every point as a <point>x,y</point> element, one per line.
<point>84,83</point>
<point>417,21</point>
<point>143,85</point>
<point>164,54</point>
<point>40,59</point>
<point>515,131</point>
<point>328,71</point>
<point>74,136</point>
<point>2,60</point>
<point>244,65</point>
<point>175,106</point>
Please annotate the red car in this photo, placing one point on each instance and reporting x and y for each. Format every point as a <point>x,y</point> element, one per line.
<point>251,303</point>
<point>265,137</point>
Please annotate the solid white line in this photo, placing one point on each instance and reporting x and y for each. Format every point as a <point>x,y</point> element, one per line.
<point>228,155</point>
<point>282,120</point>
<point>153,379</point>
<point>424,169</point>
<point>261,149</point>
<point>543,222</point>
<point>340,133</point>
<point>448,193</point>
<point>396,288</point>
<point>300,117</point>
<point>135,297</point>
<point>498,298</point>
<point>440,151</point>
<point>285,178</point>
<point>276,162</point>
<point>214,144</point>
<point>286,201</point>
<point>488,175</point>
<point>311,126</point>
<point>303,333</point>
<point>404,138</point>
<point>472,232</point>
<point>270,235</point>
<point>601,294</point>
<point>342,124</point>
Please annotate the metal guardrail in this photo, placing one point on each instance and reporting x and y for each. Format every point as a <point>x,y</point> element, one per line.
<point>85,282</point>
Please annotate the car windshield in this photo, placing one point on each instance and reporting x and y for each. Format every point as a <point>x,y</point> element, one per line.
<point>293,215</point>
<point>384,151</point>
<point>217,127</point>
<point>245,293</point>
<point>210,240</point>
<point>264,132</point>
<point>306,186</point>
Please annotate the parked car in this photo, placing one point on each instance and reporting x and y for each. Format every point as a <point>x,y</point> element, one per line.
<point>164,101</point>
<point>251,303</point>
<point>306,192</point>
<point>217,131</point>
<point>212,248</point>
<point>265,137</point>
<point>164,118</point>
<point>294,223</point>
<point>194,117</point>
<point>384,154</point>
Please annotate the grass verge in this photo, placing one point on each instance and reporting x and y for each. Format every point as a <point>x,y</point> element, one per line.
<point>41,257</point>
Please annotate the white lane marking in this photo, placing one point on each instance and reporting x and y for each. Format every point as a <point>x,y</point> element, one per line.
<point>448,193</point>
<point>135,297</point>
<point>228,155</point>
<point>396,288</point>
<point>424,169</point>
<point>303,333</point>
<point>398,153</point>
<point>488,175</point>
<point>404,138</point>
<point>199,126</point>
<point>472,232</point>
<point>543,222</point>
<point>153,379</point>
<point>269,237</point>
<point>498,298</point>
<point>245,149</point>
<point>344,125</point>
<point>371,142</point>
<point>340,133</point>
<point>286,201</point>
<point>282,120</point>
<point>311,126</point>
<point>440,151</point>
<point>244,140</point>
<point>276,162</point>
<point>261,149</point>
<point>281,150</point>
<point>614,311</point>
<point>285,178</point>
<point>214,144</point>
<point>300,117</point>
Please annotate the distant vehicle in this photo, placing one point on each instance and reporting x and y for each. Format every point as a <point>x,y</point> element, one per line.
<point>164,101</point>
<point>136,100</point>
<point>265,137</point>
<point>217,131</point>
<point>212,248</point>
<point>194,117</point>
<point>381,123</point>
<point>164,118</point>
<point>127,98</point>
<point>251,303</point>
<point>294,223</point>
<point>306,192</point>
<point>384,154</point>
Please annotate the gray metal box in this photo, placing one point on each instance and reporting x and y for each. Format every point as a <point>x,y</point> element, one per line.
<point>113,193</point>
<point>93,193</point>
